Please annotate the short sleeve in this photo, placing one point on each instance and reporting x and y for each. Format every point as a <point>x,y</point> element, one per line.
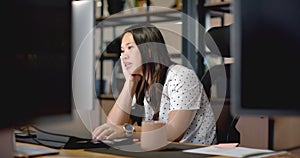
<point>184,89</point>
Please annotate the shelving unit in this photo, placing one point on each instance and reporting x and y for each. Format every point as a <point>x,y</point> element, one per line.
<point>214,10</point>
<point>192,8</point>
<point>119,20</point>
<point>105,56</point>
<point>203,10</point>
<point>197,9</point>
<point>222,6</point>
<point>138,15</point>
<point>207,11</point>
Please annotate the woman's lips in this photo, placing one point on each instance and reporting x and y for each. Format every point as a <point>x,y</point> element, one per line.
<point>128,65</point>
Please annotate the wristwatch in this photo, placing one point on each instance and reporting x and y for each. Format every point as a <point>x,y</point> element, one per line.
<point>128,128</point>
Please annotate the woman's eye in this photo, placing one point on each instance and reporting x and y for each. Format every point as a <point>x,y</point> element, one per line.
<point>130,47</point>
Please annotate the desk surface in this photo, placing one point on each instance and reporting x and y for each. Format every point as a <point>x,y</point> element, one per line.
<point>71,153</point>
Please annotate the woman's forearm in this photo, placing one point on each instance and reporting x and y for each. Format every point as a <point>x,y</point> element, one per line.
<point>178,123</point>
<point>120,113</point>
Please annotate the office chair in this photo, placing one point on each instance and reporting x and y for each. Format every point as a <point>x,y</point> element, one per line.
<point>217,40</point>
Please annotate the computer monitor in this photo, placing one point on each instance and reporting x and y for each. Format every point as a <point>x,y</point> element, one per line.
<point>85,106</point>
<point>265,41</point>
<point>35,62</point>
<point>50,74</point>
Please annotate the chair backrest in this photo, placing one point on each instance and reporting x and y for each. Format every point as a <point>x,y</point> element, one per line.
<point>221,37</point>
<point>217,40</point>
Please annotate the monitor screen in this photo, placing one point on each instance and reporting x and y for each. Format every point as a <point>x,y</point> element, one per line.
<point>35,61</point>
<point>265,41</point>
<point>85,105</point>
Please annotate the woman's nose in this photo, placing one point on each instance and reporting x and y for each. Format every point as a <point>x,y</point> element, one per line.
<point>124,56</point>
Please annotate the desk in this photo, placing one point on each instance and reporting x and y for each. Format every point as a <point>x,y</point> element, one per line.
<point>67,153</point>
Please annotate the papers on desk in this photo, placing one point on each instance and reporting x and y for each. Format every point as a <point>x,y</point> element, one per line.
<point>232,152</point>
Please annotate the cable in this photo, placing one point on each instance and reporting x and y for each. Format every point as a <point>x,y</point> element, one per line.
<point>47,145</point>
<point>38,140</point>
<point>56,134</point>
<point>24,132</point>
<point>233,122</point>
<point>29,137</point>
<point>72,142</point>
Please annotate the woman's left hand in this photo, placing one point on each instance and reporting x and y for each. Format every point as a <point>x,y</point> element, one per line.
<point>108,131</point>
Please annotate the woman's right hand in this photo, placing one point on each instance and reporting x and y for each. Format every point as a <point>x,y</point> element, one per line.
<point>108,131</point>
<point>131,79</point>
<point>125,72</point>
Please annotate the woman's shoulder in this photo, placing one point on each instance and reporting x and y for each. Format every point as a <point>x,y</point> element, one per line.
<point>178,69</point>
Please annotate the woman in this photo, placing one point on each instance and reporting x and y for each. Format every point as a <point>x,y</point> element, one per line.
<point>157,89</point>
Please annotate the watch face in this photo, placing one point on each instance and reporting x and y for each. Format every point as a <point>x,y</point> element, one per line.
<point>129,127</point>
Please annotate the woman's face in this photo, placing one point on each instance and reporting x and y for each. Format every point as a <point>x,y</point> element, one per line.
<point>131,55</point>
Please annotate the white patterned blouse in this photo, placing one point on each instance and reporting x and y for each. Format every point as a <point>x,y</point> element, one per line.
<point>184,91</point>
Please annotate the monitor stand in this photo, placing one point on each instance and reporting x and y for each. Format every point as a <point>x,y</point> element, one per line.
<point>7,142</point>
<point>9,148</point>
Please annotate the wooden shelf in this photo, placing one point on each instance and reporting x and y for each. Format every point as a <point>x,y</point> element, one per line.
<point>106,55</point>
<point>217,4</point>
<point>224,6</point>
<point>139,15</point>
<point>106,96</point>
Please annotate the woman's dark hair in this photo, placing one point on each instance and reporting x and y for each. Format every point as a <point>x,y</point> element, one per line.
<point>156,62</point>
